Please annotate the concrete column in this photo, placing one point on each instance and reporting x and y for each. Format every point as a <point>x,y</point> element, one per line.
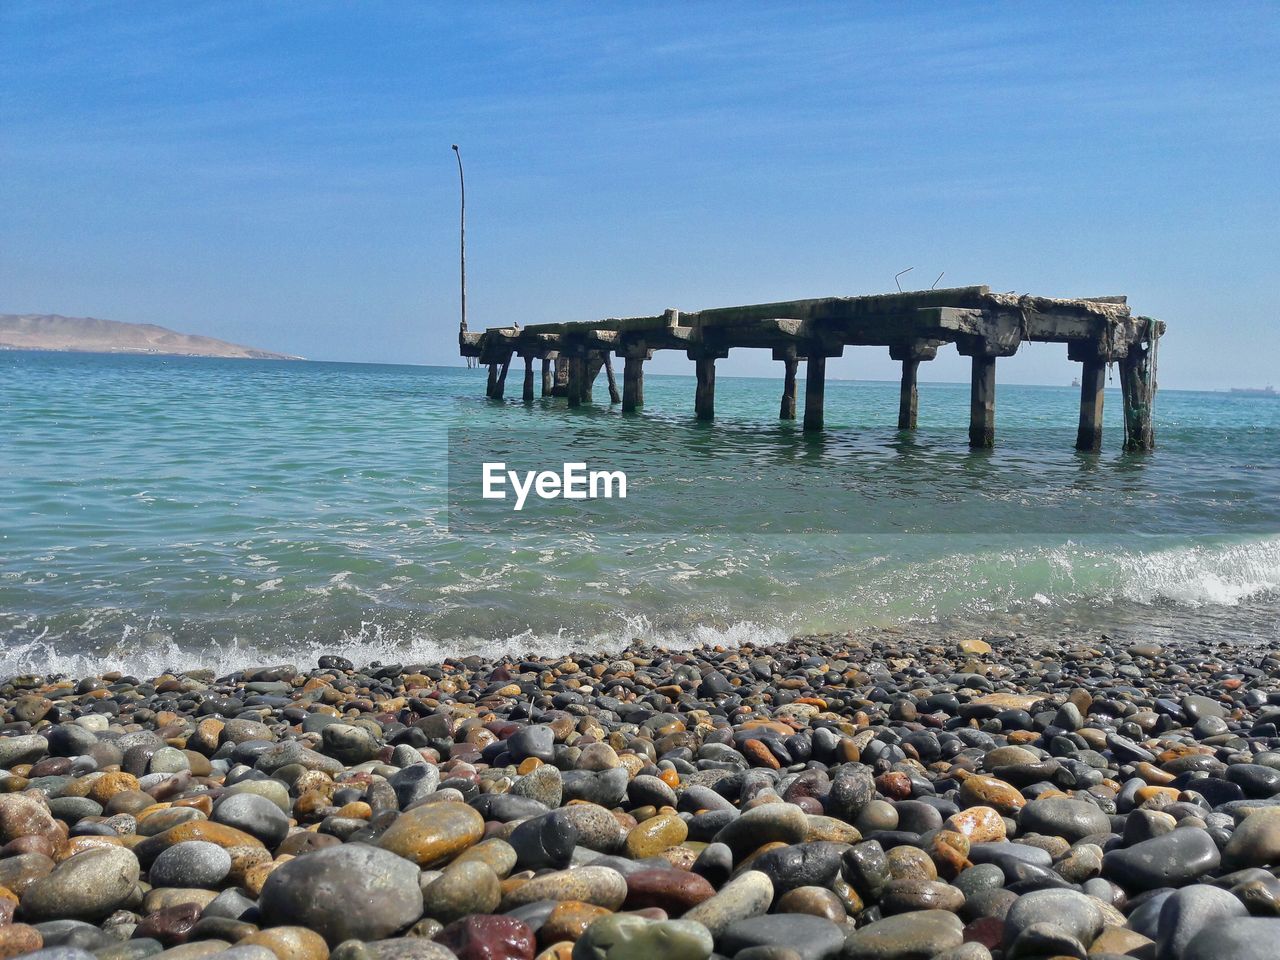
<point>592,364</point>
<point>501,386</point>
<point>560,388</point>
<point>548,379</point>
<point>787,409</point>
<point>528,380</point>
<point>632,383</point>
<point>815,375</point>
<point>1093,377</point>
<point>705,399</point>
<point>909,395</point>
<point>577,373</point>
<point>982,402</point>
<point>490,388</point>
<point>910,353</point>
<point>1137,386</point>
<point>613,384</point>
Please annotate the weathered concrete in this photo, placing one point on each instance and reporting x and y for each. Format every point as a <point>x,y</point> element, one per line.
<point>815,379</point>
<point>633,381</point>
<point>982,325</point>
<point>613,384</point>
<point>790,363</point>
<point>704,404</point>
<point>982,402</point>
<point>528,380</point>
<point>1093,378</point>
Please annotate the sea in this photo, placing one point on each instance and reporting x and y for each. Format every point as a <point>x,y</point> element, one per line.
<point>166,513</point>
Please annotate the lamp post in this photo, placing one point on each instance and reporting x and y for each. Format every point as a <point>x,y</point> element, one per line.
<point>462,245</point>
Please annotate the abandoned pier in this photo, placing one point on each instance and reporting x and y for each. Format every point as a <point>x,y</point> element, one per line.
<point>983,325</point>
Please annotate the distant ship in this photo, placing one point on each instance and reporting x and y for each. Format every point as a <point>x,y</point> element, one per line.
<point>1256,391</point>
<point>1075,382</point>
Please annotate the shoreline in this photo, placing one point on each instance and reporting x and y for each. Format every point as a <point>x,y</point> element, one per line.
<point>862,793</point>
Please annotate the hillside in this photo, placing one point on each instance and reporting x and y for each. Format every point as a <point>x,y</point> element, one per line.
<point>32,331</point>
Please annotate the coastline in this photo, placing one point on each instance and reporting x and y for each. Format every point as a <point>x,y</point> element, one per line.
<point>865,792</point>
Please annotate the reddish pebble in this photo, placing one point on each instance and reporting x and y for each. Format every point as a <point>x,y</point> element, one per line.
<point>486,937</point>
<point>675,891</point>
<point>171,925</point>
<point>988,931</point>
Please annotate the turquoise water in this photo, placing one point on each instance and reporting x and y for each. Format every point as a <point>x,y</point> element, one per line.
<point>164,511</point>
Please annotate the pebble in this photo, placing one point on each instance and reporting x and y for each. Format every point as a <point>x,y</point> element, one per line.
<point>482,937</point>
<point>1255,842</point>
<point>906,936</point>
<point>630,937</point>
<point>320,891</point>
<point>1170,860</point>
<point>1250,938</point>
<point>1075,915</point>
<point>601,886</point>
<point>433,834</point>
<point>654,835</point>
<point>195,864</point>
<point>1190,910</point>
<point>814,938</point>
<point>1063,817</point>
<point>87,886</point>
<point>465,887</point>
<point>255,814</point>
<point>748,895</point>
<point>832,796</point>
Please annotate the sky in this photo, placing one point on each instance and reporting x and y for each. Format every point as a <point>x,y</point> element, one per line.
<point>280,174</point>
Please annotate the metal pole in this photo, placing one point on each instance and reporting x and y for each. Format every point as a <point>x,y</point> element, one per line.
<point>462,242</point>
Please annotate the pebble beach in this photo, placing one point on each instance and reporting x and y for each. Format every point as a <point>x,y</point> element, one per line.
<point>858,797</point>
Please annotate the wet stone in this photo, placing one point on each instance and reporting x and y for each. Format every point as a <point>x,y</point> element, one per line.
<point>433,834</point>
<point>194,864</point>
<point>488,938</point>
<point>1171,860</point>
<point>748,895</point>
<point>87,886</point>
<point>629,937</point>
<point>907,935</point>
<point>674,891</point>
<point>317,891</point>
<point>463,888</point>
<point>814,938</point>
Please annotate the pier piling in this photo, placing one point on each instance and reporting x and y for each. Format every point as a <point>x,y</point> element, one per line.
<point>704,403</point>
<point>909,395</point>
<point>787,409</point>
<point>577,374</point>
<point>633,381</point>
<point>815,376</point>
<point>982,402</point>
<point>527,394</point>
<point>1093,380</point>
<point>1138,387</point>
<point>613,384</point>
<point>910,354</point>
<point>548,379</point>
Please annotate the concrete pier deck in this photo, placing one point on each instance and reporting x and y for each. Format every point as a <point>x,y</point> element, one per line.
<point>913,326</point>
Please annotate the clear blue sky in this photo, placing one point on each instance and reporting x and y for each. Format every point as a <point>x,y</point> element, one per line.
<point>279,174</point>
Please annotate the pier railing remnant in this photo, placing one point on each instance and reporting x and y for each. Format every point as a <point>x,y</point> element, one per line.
<point>983,326</point>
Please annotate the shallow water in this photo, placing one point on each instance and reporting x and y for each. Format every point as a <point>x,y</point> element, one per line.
<point>161,511</point>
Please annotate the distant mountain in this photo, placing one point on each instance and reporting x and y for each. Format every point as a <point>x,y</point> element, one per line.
<point>36,331</point>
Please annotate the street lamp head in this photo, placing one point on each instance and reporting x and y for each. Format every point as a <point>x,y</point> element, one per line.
<point>455,146</point>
